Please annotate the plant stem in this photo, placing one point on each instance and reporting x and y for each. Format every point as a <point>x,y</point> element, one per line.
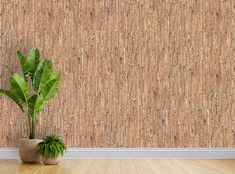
<point>32,126</point>
<point>32,131</point>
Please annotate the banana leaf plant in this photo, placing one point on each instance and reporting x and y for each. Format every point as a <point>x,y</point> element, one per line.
<point>44,86</point>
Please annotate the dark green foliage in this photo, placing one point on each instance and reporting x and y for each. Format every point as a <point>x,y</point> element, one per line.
<point>24,64</point>
<point>51,147</point>
<point>11,94</point>
<point>45,84</point>
<point>33,62</point>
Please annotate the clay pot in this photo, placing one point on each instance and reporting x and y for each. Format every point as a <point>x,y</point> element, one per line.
<point>28,152</point>
<point>50,161</point>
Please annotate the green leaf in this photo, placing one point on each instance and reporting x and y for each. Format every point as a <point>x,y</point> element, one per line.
<point>46,151</point>
<point>35,104</point>
<point>54,76</point>
<point>12,96</point>
<point>24,64</point>
<point>33,61</point>
<point>19,87</point>
<point>42,75</point>
<point>51,88</point>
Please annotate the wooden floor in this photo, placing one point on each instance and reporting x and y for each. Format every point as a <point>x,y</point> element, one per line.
<point>121,167</point>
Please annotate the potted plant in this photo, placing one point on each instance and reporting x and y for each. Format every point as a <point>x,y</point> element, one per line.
<point>44,84</point>
<point>51,148</point>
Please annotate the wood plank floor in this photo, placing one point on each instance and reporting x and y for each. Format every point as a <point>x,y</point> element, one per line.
<point>122,167</point>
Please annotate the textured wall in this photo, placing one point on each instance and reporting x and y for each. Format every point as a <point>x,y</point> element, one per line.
<point>135,73</point>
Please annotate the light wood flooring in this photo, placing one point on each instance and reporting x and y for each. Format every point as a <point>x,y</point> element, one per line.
<point>148,166</point>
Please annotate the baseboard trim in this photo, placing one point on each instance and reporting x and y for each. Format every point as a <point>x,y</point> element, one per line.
<point>125,153</point>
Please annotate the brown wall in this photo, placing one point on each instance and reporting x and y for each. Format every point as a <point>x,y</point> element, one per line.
<point>135,73</point>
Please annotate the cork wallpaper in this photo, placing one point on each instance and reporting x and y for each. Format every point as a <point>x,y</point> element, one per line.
<point>135,73</point>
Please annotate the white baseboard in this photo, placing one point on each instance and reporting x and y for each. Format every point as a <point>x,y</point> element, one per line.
<point>127,153</point>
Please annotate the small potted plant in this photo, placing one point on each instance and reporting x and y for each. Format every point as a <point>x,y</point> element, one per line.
<point>51,149</point>
<point>31,98</point>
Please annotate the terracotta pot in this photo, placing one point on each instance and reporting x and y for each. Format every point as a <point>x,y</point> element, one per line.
<point>28,152</point>
<point>50,161</point>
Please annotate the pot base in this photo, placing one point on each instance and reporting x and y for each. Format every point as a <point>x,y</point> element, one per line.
<point>50,161</point>
<point>28,150</point>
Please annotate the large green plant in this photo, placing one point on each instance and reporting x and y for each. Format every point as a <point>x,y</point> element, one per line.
<point>45,84</point>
